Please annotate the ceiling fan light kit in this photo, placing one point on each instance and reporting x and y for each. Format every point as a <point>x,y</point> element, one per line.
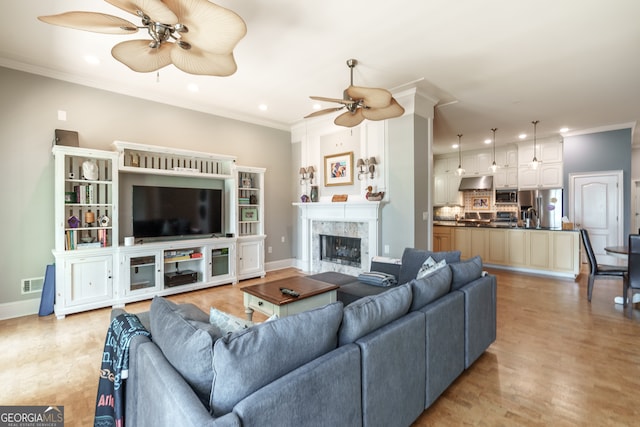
<point>196,36</point>
<point>361,103</point>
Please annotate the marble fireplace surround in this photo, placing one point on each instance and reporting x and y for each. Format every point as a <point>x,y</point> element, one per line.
<point>350,219</point>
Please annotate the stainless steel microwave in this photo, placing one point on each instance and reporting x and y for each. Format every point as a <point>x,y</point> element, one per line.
<point>506,196</point>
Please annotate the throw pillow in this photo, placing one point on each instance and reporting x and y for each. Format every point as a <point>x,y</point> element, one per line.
<point>412,260</point>
<point>377,278</point>
<point>430,287</point>
<point>369,313</point>
<point>186,343</point>
<point>429,266</point>
<point>249,359</point>
<point>465,271</point>
<point>227,323</point>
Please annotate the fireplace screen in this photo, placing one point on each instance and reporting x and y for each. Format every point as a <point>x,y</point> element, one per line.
<point>340,250</point>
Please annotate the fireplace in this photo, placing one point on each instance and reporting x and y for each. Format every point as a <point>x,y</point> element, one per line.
<point>357,220</point>
<point>340,250</point>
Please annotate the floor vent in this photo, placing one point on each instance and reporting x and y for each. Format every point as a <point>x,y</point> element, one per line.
<point>33,285</point>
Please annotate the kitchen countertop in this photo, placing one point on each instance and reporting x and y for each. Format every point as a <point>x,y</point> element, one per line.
<point>499,224</point>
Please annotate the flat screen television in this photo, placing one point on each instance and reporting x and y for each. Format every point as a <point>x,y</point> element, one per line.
<point>174,212</point>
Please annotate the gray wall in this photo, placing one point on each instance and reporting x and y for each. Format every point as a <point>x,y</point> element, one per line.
<point>27,122</point>
<point>408,174</point>
<point>602,151</point>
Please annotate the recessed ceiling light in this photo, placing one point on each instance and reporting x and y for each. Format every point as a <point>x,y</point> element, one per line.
<point>263,107</point>
<point>317,106</point>
<point>487,141</point>
<point>563,130</point>
<point>92,59</point>
<point>454,146</point>
<point>192,87</point>
<point>522,136</point>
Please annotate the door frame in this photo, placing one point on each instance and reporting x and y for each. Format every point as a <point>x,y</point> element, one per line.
<point>635,193</point>
<point>620,175</point>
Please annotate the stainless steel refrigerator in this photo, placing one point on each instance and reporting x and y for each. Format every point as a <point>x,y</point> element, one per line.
<point>545,205</point>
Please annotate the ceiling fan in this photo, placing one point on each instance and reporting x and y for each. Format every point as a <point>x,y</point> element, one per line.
<point>361,103</point>
<point>196,36</point>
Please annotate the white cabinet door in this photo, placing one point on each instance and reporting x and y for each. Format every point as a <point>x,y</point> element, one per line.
<point>88,280</point>
<point>440,184</point>
<point>250,259</point>
<point>483,161</point>
<point>527,177</point>
<point>550,175</point>
<point>141,273</point>
<point>454,197</point>
<point>505,178</point>
<point>550,152</point>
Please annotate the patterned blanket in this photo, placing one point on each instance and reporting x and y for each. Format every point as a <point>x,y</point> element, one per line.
<point>115,369</point>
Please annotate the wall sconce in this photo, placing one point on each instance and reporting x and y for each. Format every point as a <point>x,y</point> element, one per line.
<point>307,175</point>
<point>366,166</point>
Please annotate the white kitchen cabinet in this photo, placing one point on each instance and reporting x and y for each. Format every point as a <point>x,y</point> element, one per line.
<point>547,151</point>
<point>446,182</point>
<point>477,163</point>
<point>505,178</point>
<point>547,175</point>
<point>507,157</point>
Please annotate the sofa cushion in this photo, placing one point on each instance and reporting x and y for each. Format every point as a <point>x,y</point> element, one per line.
<point>227,323</point>
<point>412,260</point>
<point>187,343</point>
<point>369,313</point>
<point>465,271</point>
<point>431,287</point>
<point>247,360</point>
<point>377,278</point>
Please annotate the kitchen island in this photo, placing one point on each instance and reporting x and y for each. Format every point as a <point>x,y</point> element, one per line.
<point>553,252</point>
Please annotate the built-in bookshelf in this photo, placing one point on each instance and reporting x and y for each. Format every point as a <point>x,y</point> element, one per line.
<point>86,191</point>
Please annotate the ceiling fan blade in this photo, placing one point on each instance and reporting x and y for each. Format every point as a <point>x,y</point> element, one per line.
<point>338,100</point>
<point>393,110</point>
<point>91,21</point>
<point>322,112</point>
<point>196,61</point>
<point>154,9</point>
<point>372,97</point>
<point>349,119</point>
<point>137,55</point>
<point>211,28</point>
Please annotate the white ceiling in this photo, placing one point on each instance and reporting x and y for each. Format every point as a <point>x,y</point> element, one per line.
<point>492,63</point>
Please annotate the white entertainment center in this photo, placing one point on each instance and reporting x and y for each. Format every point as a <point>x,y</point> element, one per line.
<point>94,266</point>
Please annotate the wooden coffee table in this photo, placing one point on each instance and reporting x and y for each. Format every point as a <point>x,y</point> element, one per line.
<point>269,300</point>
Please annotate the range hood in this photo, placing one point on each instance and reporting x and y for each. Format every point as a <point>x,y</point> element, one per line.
<point>484,183</point>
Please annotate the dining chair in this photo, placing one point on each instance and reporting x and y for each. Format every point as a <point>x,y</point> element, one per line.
<point>633,268</point>
<point>600,270</point>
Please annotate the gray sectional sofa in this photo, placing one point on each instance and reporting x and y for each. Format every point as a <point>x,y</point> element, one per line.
<point>380,360</point>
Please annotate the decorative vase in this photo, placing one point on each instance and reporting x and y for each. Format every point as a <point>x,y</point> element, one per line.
<point>314,193</point>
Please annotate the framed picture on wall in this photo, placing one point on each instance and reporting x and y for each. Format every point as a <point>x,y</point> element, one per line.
<point>338,169</point>
<point>480,203</point>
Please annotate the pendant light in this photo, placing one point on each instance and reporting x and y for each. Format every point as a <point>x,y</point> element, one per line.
<point>494,166</point>
<point>534,162</point>
<point>460,171</point>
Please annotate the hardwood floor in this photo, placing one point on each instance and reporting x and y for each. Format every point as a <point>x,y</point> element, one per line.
<point>558,359</point>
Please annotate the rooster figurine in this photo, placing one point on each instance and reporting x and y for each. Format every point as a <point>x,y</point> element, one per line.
<point>374,197</point>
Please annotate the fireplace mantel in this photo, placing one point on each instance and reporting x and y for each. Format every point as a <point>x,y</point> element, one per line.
<point>357,211</point>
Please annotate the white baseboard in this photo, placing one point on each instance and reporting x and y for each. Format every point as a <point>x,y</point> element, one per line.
<point>19,308</point>
<point>280,264</point>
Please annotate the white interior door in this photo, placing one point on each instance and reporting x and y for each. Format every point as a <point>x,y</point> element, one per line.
<point>596,202</point>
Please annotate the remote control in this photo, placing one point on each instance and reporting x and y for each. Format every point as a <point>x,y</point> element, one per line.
<point>290,292</point>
